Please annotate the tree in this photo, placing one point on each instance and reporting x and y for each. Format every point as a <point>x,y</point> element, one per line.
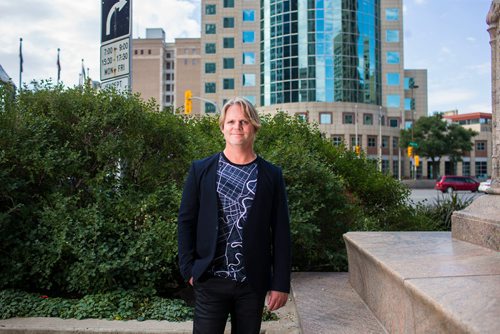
<point>430,135</point>
<point>436,138</point>
<point>459,142</point>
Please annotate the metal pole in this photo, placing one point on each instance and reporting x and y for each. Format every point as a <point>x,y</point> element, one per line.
<point>399,148</point>
<point>412,87</point>
<point>356,123</point>
<point>208,101</point>
<point>20,63</point>
<point>380,138</point>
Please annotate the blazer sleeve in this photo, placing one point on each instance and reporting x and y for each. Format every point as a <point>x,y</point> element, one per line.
<point>282,263</point>
<point>186,227</point>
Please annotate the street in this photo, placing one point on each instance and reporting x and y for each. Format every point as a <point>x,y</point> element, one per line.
<point>429,196</point>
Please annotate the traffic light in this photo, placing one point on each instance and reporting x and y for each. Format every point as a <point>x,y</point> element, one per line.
<point>410,151</point>
<point>188,102</point>
<point>417,160</point>
<point>357,149</point>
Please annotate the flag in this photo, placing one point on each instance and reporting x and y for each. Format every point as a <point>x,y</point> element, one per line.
<point>83,72</point>
<point>58,66</point>
<point>21,55</point>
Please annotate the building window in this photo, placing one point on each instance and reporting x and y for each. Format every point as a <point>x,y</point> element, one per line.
<point>250,99</point>
<point>407,103</point>
<point>481,169</point>
<point>248,36</point>
<point>228,63</point>
<point>167,76</point>
<point>142,52</point>
<point>248,79</point>
<point>392,57</point>
<point>392,14</point>
<point>480,146</point>
<point>167,87</point>
<point>209,67</point>
<point>210,28</point>
<point>395,143</point>
<point>392,36</point>
<point>393,122</point>
<point>228,42</point>
<point>325,118</point>
<point>393,79</point>
<point>353,141</point>
<point>228,22</point>
<point>385,142</point>
<point>210,9</point>
<point>210,48</point>
<point>249,15</point>
<point>372,141</point>
<point>385,166</point>
<point>228,3</point>
<point>209,87</point>
<point>395,167</point>
<point>149,51</point>
<point>393,101</point>
<point>337,140</point>
<point>169,55</point>
<point>135,52</point>
<point>209,108</point>
<point>367,119</point>
<point>228,83</point>
<point>248,58</point>
<point>168,65</point>
<point>466,168</point>
<point>301,116</point>
<point>348,118</point>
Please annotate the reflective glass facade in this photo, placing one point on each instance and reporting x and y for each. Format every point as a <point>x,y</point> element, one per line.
<point>320,51</point>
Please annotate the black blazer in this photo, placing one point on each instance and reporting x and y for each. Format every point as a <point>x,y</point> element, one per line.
<point>266,234</point>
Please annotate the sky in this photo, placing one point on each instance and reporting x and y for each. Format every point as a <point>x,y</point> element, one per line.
<point>446,37</point>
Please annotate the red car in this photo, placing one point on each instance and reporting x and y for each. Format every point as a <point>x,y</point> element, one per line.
<point>450,183</point>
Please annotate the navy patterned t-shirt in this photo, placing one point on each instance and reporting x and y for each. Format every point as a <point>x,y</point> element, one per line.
<point>236,186</point>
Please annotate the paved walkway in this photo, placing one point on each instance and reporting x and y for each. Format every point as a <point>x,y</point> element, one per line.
<point>326,303</point>
<point>320,303</point>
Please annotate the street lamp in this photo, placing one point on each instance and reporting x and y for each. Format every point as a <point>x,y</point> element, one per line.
<point>380,138</point>
<point>412,107</point>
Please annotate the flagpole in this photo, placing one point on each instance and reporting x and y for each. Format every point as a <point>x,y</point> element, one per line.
<point>20,62</point>
<point>58,66</point>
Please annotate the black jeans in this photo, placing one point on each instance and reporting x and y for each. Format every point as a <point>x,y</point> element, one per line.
<point>216,298</point>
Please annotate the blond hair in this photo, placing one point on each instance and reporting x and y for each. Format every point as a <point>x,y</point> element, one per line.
<point>246,107</point>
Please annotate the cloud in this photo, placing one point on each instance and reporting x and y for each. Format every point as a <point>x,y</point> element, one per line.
<point>74,26</point>
<point>449,98</point>
<point>481,69</point>
<point>420,2</point>
<point>471,39</point>
<point>477,107</point>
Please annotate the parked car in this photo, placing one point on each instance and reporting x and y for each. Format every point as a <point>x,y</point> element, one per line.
<point>485,185</point>
<point>450,183</point>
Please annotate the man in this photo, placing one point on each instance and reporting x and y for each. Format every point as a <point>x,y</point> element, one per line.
<point>234,231</point>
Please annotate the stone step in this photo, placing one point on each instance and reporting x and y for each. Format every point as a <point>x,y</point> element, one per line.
<point>479,223</point>
<point>326,303</point>
<point>426,282</point>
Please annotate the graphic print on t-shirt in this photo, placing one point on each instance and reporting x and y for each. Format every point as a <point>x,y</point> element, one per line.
<point>236,186</point>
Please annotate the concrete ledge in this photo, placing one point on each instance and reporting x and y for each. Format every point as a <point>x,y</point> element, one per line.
<point>479,223</point>
<point>326,303</point>
<point>426,282</point>
<point>288,323</point>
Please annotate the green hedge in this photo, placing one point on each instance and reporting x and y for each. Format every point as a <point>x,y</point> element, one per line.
<point>90,184</point>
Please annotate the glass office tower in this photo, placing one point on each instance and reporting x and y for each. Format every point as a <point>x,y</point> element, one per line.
<point>320,51</point>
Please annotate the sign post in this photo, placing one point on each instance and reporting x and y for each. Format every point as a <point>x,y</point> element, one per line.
<point>116,44</point>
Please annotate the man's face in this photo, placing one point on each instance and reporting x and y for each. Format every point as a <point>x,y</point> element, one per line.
<point>237,129</point>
